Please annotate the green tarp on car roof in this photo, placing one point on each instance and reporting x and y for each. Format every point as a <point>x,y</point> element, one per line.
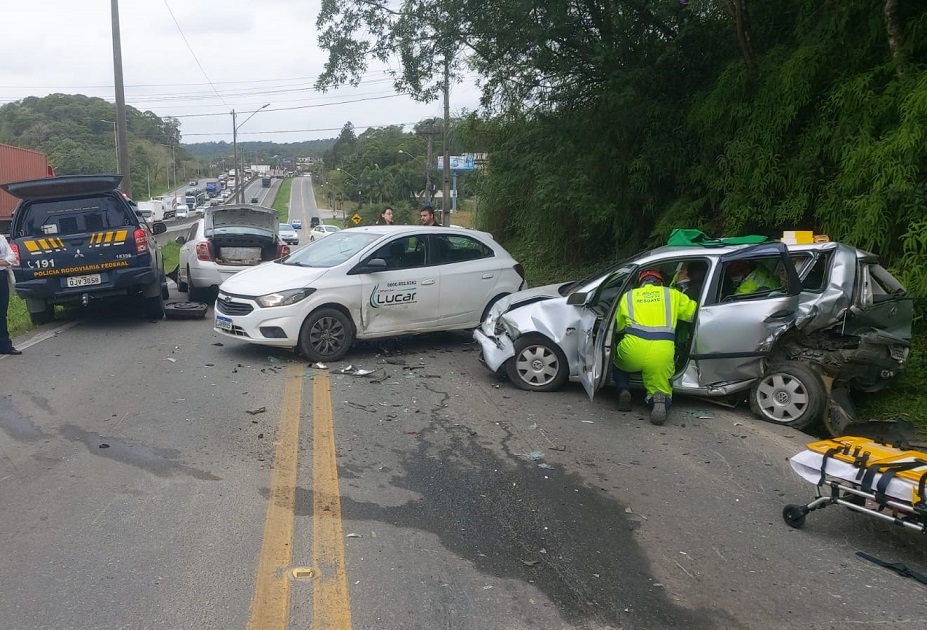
<point>686,238</point>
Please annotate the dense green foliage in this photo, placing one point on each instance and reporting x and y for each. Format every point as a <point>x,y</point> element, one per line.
<point>614,121</point>
<point>76,133</point>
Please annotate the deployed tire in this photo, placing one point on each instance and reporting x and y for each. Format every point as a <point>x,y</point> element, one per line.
<point>326,335</point>
<point>185,310</point>
<point>539,365</point>
<point>790,394</point>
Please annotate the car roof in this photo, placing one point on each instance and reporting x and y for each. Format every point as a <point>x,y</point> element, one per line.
<point>714,252</point>
<point>64,186</point>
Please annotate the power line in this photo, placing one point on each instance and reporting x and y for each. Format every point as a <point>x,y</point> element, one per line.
<point>286,109</point>
<point>260,133</point>
<point>190,48</point>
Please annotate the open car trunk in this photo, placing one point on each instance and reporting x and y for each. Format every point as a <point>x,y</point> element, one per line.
<point>242,235</point>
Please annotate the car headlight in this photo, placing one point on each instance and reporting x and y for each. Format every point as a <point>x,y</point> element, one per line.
<point>284,298</point>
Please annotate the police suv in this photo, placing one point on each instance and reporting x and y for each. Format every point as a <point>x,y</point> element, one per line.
<point>78,239</point>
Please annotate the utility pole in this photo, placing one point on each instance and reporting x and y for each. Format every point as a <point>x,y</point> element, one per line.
<point>446,191</point>
<point>429,163</point>
<point>235,153</point>
<point>121,131</point>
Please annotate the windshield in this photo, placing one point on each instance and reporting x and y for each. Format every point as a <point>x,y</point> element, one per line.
<point>331,251</point>
<point>591,281</point>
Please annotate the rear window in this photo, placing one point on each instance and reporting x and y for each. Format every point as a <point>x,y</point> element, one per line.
<point>73,216</point>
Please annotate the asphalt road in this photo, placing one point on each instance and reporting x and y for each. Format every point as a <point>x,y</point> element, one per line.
<point>155,475</point>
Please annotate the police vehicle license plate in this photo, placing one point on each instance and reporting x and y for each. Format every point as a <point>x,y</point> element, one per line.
<point>223,323</point>
<point>84,281</point>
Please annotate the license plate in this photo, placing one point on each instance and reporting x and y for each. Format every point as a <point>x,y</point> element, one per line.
<point>223,323</point>
<point>899,353</point>
<point>84,281</point>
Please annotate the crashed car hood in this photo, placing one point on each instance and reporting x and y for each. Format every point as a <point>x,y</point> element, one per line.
<point>530,296</point>
<point>272,277</point>
<point>259,219</point>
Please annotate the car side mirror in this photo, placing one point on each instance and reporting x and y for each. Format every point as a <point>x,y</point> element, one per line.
<point>371,266</point>
<point>180,240</point>
<point>159,227</point>
<point>577,299</point>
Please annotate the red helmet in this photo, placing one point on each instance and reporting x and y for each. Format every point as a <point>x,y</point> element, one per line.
<point>650,274</point>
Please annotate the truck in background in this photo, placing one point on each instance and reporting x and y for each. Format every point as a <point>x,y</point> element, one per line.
<point>265,182</point>
<point>16,165</point>
<point>212,188</point>
<point>159,207</point>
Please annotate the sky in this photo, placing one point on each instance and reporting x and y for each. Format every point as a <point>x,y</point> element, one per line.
<point>198,60</point>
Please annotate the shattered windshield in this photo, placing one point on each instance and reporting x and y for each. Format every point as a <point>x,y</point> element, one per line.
<point>332,250</point>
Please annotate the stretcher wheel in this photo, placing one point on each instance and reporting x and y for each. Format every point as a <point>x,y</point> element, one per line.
<point>794,515</point>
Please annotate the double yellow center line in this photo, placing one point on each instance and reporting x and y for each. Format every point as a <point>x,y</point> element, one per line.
<point>331,601</point>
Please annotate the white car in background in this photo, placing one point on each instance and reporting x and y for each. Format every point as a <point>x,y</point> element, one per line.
<point>365,283</point>
<point>288,234</point>
<point>321,231</point>
<point>225,241</point>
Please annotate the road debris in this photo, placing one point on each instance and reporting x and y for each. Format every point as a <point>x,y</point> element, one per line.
<point>530,563</point>
<point>352,535</point>
<point>319,366</point>
<point>254,412</point>
<point>536,455</point>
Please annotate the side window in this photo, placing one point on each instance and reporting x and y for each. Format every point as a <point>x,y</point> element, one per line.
<point>403,253</point>
<point>453,248</point>
<point>750,278</point>
<point>191,235</point>
<point>815,278</point>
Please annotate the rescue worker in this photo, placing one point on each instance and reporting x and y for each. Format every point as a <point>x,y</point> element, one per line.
<point>646,320</point>
<point>749,277</point>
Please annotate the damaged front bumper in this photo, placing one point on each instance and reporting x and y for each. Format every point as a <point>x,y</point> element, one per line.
<point>494,350</point>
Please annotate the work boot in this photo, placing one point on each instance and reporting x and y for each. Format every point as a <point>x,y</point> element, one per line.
<point>658,413</point>
<point>624,400</point>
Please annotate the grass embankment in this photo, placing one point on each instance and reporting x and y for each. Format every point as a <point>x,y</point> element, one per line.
<point>282,200</point>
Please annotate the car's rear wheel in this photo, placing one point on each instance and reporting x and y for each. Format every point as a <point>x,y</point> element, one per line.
<point>195,294</point>
<point>539,365</point>
<point>790,394</point>
<point>153,307</point>
<point>326,335</point>
<point>40,312</point>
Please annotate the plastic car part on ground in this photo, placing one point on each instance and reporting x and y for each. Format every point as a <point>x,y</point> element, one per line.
<point>185,310</point>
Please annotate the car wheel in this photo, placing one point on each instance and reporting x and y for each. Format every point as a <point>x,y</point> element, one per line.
<point>153,307</point>
<point>326,335</point>
<point>182,285</point>
<point>40,312</point>
<point>790,394</point>
<point>539,365</point>
<point>195,294</point>
<point>185,310</point>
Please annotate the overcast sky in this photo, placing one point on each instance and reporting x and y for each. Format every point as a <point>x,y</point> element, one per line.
<point>217,56</point>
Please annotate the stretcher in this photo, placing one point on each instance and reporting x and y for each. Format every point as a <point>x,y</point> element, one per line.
<point>865,476</point>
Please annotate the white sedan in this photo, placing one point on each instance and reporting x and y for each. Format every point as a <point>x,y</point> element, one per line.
<point>368,282</point>
<point>321,231</point>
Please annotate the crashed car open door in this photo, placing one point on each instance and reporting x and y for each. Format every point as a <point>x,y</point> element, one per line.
<point>596,326</point>
<point>734,333</point>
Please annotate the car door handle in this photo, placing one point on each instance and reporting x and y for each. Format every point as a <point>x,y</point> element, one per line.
<point>429,281</point>
<point>487,276</point>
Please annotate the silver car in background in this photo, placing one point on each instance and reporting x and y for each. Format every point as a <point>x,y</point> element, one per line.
<point>837,320</point>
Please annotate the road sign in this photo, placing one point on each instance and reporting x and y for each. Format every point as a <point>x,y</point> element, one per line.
<point>356,219</point>
<point>465,162</point>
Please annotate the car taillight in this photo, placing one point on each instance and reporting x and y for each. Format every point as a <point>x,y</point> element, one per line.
<point>141,241</point>
<point>15,249</point>
<point>283,250</point>
<point>204,250</point>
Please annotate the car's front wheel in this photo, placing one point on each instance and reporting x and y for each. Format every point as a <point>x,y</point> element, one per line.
<point>790,394</point>
<point>326,335</point>
<point>539,365</point>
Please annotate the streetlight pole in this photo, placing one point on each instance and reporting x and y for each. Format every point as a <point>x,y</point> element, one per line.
<point>115,140</point>
<point>239,180</point>
<point>121,128</point>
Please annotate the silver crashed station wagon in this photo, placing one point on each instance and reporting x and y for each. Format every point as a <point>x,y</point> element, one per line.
<point>837,319</point>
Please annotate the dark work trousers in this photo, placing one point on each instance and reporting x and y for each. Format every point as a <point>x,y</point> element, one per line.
<point>5,344</point>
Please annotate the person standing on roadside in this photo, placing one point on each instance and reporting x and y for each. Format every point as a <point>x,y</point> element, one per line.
<point>386,217</point>
<point>7,283</point>
<point>427,216</point>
